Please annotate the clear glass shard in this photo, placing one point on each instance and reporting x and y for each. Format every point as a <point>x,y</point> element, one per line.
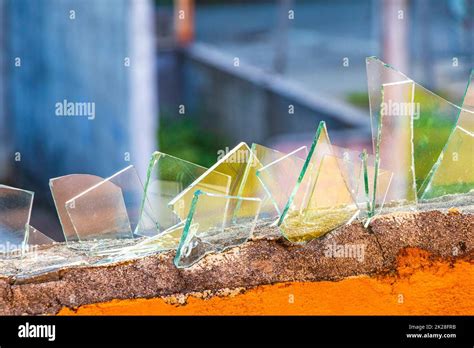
<point>63,189</point>
<point>432,121</point>
<point>453,172</point>
<point>36,237</point>
<point>215,223</point>
<point>331,204</point>
<point>167,240</point>
<point>375,200</point>
<point>167,177</point>
<point>15,213</point>
<point>278,176</point>
<point>233,175</point>
<point>396,132</point>
<point>111,209</point>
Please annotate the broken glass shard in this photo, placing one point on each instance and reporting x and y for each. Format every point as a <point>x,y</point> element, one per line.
<point>416,119</point>
<point>111,209</point>
<point>167,177</point>
<point>36,237</point>
<point>453,173</point>
<point>330,205</point>
<point>167,240</point>
<point>277,176</point>
<point>394,150</point>
<point>215,223</point>
<point>374,199</point>
<point>15,212</point>
<point>300,193</point>
<point>63,189</point>
<point>233,175</point>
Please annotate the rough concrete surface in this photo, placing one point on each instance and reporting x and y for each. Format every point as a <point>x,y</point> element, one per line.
<point>265,259</point>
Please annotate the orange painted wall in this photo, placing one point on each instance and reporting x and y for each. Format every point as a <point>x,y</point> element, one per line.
<point>420,286</point>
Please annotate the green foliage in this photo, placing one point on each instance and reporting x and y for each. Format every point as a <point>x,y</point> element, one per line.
<point>185,139</point>
<point>358,99</point>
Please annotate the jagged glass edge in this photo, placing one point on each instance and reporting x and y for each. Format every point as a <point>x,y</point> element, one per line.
<point>56,204</point>
<point>270,164</point>
<point>376,59</point>
<point>377,151</point>
<point>322,125</point>
<point>210,170</point>
<point>189,219</point>
<point>25,233</point>
<point>134,234</point>
<point>430,177</point>
<point>153,161</point>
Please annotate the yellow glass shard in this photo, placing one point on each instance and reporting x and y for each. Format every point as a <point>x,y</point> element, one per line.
<point>331,205</point>
<point>418,125</point>
<point>453,173</point>
<point>232,175</point>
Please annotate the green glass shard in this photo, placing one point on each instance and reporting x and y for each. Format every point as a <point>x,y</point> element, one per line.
<point>412,118</point>
<point>278,176</point>
<point>111,209</point>
<point>15,212</point>
<point>453,172</point>
<point>215,223</point>
<point>63,189</point>
<point>374,199</point>
<point>330,205</point>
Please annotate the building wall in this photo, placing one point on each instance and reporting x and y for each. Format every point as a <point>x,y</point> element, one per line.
<point>99,52</point>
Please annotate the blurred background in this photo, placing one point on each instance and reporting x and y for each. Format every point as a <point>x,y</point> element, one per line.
<point>191,78</point>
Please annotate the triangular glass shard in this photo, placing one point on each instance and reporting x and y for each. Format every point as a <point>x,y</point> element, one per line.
<point>15,213</point>
<point>432,121</point>
<point>278,177</point>
<point>63,189</point>
<point>111,210</point>
<point>330,205</point>
<point>302,190</point>
<point>215,223</point>
<point>233,175</point>
<point>453,173</point>
<point>36,237</point>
